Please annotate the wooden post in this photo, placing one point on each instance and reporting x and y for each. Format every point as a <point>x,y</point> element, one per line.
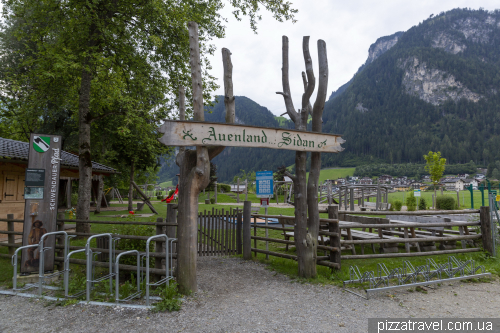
<point>171,231</point>
<point>247,240</point>
<point>99,195</point>
<point>60,240</point>
<point>484,215</point>
<point>351,199</point>
<point>330,193</point>
<point>333,213</point>
<point>238,191</point>
<point>11,238</point>
<point>458,199</point>
<point>239,222</point>
<point>159,247</point>
<point>215,188</point>
<point>68,193</point>
<point>246,189</point>
<point>377,204</point>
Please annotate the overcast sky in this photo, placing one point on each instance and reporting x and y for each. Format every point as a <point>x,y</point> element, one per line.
<point>347,27</point>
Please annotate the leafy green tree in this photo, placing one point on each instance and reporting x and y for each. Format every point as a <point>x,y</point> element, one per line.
<point>435,166</point>
<point>105,58</point>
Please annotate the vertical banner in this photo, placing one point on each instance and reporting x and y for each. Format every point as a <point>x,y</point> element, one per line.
<point>41,196</point>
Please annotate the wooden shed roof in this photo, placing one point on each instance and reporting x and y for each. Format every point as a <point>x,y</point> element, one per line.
<point>17,151</point>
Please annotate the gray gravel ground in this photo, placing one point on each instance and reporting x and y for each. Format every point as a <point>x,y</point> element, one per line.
<point>239,296</point>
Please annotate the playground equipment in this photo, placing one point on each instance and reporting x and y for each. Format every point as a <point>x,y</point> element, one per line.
<point>114,270</point>
<point>173,196</point>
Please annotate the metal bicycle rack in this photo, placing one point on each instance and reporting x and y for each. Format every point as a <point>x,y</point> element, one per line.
<point>409,276</point>
<point>41,264</point>
<point>168,261</point>
<point>114,269</point>
<point>91,280</point>
<point>117,282</point>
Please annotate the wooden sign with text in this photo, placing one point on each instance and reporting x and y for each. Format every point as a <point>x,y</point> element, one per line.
<point>41,196</point>
<point>189,133</point>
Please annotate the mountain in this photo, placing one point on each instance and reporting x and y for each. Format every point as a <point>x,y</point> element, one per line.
<point>382,45</point>
<point>433,87</point>
<point>234,159</point>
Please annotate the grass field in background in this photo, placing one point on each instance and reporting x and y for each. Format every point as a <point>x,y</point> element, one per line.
<point>334,173</point>
<point>166,184</point>
<point>465,201</point>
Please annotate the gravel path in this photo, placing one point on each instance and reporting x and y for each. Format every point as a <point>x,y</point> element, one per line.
<point>239,296</point>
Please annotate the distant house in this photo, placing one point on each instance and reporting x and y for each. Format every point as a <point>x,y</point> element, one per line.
<point>402,187</point>
<point>470,181</point>
<point>453,184</point>
<point>384,179</point>
<point>340,181</point>
<point>418,185</point>
<point>366,181</point>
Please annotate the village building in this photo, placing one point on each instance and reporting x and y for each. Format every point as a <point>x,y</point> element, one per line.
<point>13,164</point>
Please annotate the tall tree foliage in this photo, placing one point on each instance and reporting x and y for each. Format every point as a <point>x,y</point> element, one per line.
<point>435,166</point>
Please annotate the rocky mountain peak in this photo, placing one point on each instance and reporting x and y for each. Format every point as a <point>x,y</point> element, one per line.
<point>382,45</point>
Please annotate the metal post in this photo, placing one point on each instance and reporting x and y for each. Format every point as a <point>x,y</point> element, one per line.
<point>247,244</point>
<point>11,237</point>
<point>60,227</point>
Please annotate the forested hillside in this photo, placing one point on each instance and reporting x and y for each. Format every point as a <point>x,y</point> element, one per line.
<point>435,89</point>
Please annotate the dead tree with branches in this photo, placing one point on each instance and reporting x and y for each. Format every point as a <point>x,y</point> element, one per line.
<point>306,193</point>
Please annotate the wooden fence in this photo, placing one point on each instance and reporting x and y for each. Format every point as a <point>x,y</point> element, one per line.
<point>219,232</point>
<point>349,231</point>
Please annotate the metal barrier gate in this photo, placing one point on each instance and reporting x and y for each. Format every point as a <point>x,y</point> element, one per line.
<point>90,270</point>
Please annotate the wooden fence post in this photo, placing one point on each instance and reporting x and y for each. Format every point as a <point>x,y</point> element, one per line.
<point>171,231</point>
<point>486,235</point>
<point>11,237</point>
<point>239,221</point>
<point>333,213</point>
<point>159,264</point>
<point>247,241</point>
<point>60,239</point>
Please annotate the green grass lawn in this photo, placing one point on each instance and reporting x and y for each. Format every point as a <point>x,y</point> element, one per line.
<point>166,184</point>
<point>465,201</point>
<point>285,266</point>
<point>334,173</point>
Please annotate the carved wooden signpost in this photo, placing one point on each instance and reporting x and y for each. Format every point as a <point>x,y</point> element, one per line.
<point>188,133</point>
<point>41,194</point>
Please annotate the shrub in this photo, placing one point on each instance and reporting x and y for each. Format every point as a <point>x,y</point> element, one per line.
<point>170,193</point>
<point>159,197</point>
<point>225,187</point>
<point>446,202</point>
<point>397,205</point>
<point>74,199</point>
<point>411,202</point>
<point>134,244</point>
<point>109,197</point>
<point>422,204</point>
<point>212,200</point>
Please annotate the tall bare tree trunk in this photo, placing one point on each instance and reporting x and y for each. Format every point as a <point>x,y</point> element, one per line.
<point>131,188</point>
<point>317,113</point>
<point>85,161</point>
<point>195,171</point>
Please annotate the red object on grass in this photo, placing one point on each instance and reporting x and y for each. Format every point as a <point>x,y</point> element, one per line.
<point>170,198</point>
<point>132,212</point>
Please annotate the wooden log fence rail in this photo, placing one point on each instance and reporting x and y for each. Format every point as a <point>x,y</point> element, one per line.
<point>386,235</point>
